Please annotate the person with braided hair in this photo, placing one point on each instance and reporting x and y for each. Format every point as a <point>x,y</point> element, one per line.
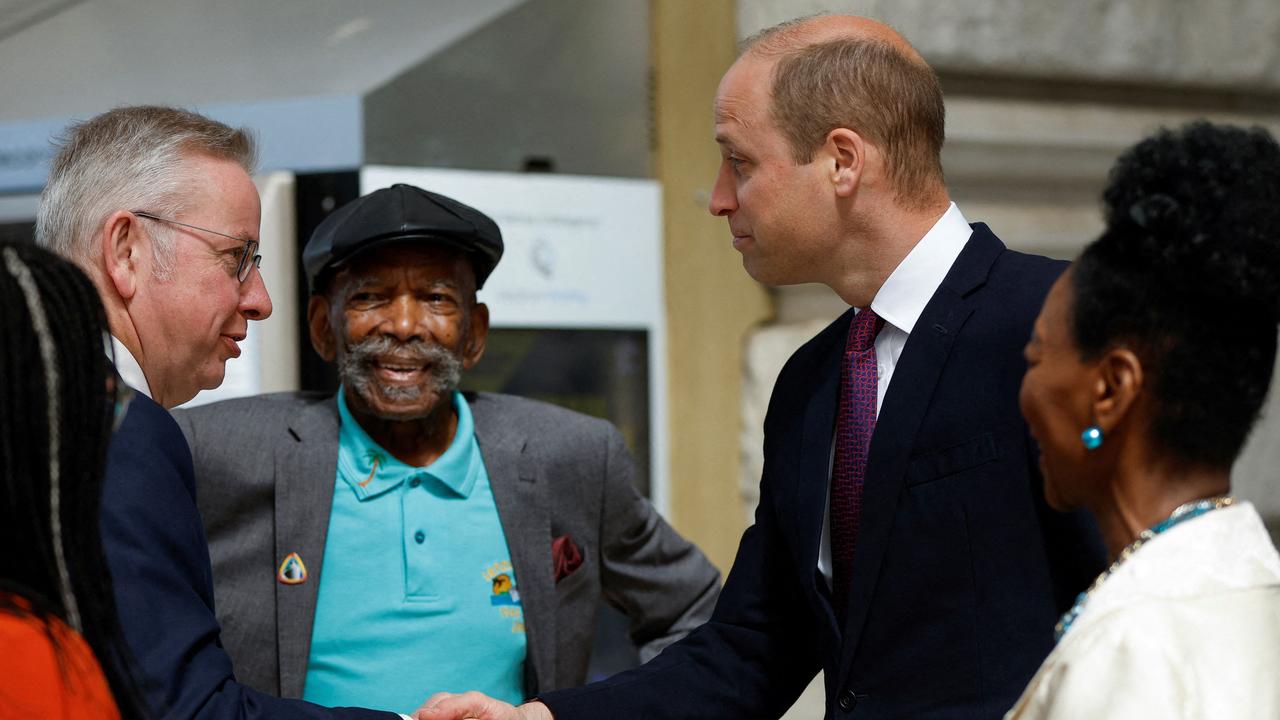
<point>1147,368</point>
<point>63,651</point>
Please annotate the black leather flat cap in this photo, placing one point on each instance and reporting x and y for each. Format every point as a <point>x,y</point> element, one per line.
<point>399,213</point>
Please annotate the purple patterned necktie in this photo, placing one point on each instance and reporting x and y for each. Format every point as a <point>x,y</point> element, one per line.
<point>855,421</point>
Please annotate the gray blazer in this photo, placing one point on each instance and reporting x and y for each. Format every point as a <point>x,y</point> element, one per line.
<point>265,470</point>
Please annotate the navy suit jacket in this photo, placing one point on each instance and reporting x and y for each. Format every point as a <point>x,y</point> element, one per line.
<point>159,562</point>
<point>960,570</point>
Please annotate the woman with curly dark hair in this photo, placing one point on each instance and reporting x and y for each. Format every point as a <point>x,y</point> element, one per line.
<point>1147,367</point>
<point>61,652</point>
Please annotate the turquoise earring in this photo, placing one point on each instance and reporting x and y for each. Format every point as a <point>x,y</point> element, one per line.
<point>1091,437</point>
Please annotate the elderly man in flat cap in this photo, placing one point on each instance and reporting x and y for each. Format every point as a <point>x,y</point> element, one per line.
<point>401,537</point>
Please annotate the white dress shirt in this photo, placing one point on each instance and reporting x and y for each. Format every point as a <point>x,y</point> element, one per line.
<point>128,368</point>
<point>900,301</point>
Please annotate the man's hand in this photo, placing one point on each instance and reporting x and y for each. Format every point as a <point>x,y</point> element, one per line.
<point>477,706</point>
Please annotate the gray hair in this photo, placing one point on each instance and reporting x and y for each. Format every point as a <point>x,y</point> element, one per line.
<point>130,158</point>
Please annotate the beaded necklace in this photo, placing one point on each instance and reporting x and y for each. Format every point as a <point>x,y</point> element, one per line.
<point>1182,513</point>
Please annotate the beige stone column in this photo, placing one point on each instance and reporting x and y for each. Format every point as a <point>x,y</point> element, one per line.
<point>711,302</point>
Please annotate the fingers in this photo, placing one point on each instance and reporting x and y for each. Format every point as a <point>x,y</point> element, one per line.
<point>467,706</point>
<point>436,699</point>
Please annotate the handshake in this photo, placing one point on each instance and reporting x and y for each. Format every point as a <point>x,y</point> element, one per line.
<point>478,706</point>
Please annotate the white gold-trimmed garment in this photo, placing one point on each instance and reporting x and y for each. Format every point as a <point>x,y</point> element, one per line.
<point>1188,627</point>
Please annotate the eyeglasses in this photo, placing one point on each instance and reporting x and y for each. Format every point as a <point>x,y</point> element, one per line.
<point>248,260</point>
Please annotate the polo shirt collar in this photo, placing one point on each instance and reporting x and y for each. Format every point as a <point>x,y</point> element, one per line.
<point>902,298</point>
<point>370,471</point>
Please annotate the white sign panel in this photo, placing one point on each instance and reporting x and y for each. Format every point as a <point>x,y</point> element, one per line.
<point>581,252</point>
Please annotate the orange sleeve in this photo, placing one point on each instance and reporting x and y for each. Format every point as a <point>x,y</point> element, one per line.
<point>48,671</point>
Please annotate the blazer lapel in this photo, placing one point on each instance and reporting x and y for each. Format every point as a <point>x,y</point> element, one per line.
<point>305,470</point>
<point>901,414</point>
<point>815,465</point>
<point>526,521</point>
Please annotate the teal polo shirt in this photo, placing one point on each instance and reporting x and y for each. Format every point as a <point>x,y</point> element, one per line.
<point>417,593</point>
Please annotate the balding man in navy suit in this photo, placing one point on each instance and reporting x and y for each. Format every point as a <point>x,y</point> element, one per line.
<point>902,544</point>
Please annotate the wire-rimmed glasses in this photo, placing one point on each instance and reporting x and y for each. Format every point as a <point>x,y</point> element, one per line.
<point>248,260</point>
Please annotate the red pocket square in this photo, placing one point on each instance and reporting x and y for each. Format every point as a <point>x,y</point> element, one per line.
<point>566,556</point>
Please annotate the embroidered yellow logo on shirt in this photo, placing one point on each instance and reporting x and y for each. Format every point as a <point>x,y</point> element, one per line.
<point>504,595</point>
<point>504,591</point>
<point>292,570</point>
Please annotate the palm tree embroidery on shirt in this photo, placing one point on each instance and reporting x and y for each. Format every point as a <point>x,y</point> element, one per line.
<point>375,457</point>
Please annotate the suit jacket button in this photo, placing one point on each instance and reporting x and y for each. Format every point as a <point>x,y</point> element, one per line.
<point>848,701</point>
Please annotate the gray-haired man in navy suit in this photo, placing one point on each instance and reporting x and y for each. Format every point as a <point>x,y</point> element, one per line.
<point>156,204</point>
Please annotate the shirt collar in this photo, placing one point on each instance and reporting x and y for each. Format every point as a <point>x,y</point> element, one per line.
<point>128,368</point>
<point>369,470</point>
<point>904,295</point>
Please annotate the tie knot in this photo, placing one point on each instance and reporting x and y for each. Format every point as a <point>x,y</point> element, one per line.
<point>862,332</point>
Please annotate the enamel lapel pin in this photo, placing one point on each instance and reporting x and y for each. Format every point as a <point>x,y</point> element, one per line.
<point>292,571</point>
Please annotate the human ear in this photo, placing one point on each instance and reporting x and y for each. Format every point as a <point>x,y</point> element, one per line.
<point>846,156</point>
<point>123,247</point>
<point>1117,390</point>
<point>321,331</point>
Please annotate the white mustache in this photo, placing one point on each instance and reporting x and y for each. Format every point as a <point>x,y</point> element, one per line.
<point>356,366</point>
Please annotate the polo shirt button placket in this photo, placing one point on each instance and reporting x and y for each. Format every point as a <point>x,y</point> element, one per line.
<point>420,537</point>
<point>415,481</point>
